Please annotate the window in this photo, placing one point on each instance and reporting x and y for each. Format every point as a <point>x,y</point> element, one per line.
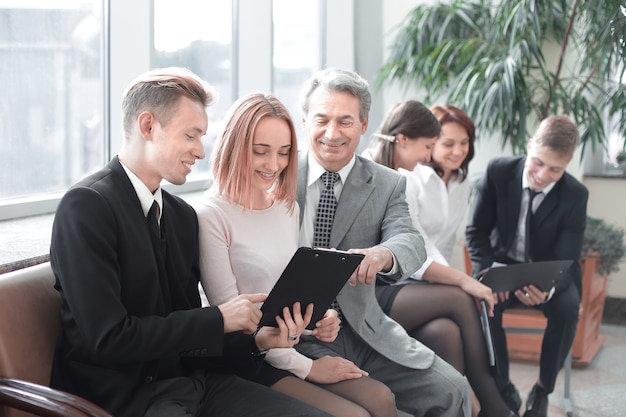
<point>297,46</point>
<point>197,35</point>
<point>65,64</point>
<point>51,105</point>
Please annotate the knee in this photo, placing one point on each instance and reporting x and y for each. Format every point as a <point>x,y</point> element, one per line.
<point>440,333</point>
<point>565,309</point>
<point>382,400</point>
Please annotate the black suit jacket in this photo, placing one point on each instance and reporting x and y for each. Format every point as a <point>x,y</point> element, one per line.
<point>118,334</point>
<point>557,227</point>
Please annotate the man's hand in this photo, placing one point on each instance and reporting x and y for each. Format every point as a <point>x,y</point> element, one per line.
<point>290,327</point>
<point>503,296</point>
<point>331,369</point>
<point>327,329</point>
<point>530,295</point>
<point>377,259</point>
<point>241,313</point>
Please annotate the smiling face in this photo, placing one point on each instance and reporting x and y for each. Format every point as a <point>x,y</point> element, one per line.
<point>410,152</point>
<point>177,145</point>
<point>333,128</point>
<point>271,147</point>
<point>544,165</point>
<point>451,148</point>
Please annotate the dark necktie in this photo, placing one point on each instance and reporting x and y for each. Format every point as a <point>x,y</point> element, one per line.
<point>159,249</point>
<point>325,211</point>
<point>324,219</point>
<point>529,218</point>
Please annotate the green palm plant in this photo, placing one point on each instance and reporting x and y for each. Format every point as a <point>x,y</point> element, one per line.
<point>511,63</point>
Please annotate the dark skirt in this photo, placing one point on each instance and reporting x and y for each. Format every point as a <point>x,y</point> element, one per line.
<point>386,294</point>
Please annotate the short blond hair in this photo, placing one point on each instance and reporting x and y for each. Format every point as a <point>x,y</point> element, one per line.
<point>158,91</point>
<point>558,133</point>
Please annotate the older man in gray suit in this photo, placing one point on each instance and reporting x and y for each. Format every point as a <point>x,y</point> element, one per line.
<point>369,215</point>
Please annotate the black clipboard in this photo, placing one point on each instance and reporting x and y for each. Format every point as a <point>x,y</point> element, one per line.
<point>543,275</point>
<point>311,276</point>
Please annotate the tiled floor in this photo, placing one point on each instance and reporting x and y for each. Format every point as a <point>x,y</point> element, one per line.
<point>598,390</point>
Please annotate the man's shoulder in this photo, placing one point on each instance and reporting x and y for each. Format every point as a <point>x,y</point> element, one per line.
<point>505,162</point>
<point>574,186</point>
<point>377,170</point>
<point>177,203</point>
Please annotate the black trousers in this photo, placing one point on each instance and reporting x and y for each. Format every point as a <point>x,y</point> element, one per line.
<point>224,395</point>
<point>562,314</point>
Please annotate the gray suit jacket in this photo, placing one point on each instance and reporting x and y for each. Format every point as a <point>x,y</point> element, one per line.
<point>372,210</point>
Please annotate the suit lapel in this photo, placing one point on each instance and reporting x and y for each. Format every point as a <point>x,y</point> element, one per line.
<point>548,204</point>
<point>355,193</point>
<point>514,202</point>
<point>303,173</point>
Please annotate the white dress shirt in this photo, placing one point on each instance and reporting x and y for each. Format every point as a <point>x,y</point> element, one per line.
<point>436,211</point>
<point>518,249</point>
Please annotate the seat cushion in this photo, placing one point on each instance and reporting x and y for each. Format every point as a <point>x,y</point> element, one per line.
<point>29,323</point>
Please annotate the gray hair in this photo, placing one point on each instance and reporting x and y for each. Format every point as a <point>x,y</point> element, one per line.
<point>335,79</point>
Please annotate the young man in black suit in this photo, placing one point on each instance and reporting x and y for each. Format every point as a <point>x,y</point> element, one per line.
<point>498,233</point>
<point>134,338</point>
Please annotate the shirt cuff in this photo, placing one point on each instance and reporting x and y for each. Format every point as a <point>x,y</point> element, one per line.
<point>291,360</point>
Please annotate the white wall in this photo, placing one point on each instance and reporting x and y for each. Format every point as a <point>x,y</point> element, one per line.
<point>607,200</point>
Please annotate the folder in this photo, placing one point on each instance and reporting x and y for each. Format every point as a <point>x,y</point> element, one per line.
<point>543,275</point>
<point>484,320</point>
<point>311,276</point>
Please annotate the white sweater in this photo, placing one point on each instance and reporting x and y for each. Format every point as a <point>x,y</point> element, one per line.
<point>244,251</point>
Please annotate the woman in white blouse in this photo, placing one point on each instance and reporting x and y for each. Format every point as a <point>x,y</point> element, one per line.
<point>437,304</point>
<point>248,231</point>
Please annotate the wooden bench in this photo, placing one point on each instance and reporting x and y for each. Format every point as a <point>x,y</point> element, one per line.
<point>29,326</point>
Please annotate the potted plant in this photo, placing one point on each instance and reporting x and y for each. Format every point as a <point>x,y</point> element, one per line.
<point>511,65</point>
<point>605,240</point>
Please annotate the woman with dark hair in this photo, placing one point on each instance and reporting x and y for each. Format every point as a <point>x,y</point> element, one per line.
<point>437,305</point>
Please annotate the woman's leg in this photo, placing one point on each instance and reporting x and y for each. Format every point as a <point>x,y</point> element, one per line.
<point>443,336</point>
<point>420,303</point>
<point>363,397</point>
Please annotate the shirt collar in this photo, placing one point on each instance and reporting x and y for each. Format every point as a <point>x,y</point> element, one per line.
<point>146,198</point>
<point>316,170</point>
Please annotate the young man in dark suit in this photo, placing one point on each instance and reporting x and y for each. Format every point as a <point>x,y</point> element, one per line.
<point>500,231</point>
<point>134,338</point>
<point>372,218</point>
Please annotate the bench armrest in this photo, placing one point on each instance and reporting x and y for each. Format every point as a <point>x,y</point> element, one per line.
<point>44,401</point>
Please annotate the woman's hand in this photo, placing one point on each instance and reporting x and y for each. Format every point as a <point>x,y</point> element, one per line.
<point>289,329</point>
<point>327,329</point>
<point>331,369</point>
<point>481,292</point>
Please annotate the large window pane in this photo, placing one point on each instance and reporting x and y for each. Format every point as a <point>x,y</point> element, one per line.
<point>51,94</point>
<point>197,35</point>
<point>297,49</point>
